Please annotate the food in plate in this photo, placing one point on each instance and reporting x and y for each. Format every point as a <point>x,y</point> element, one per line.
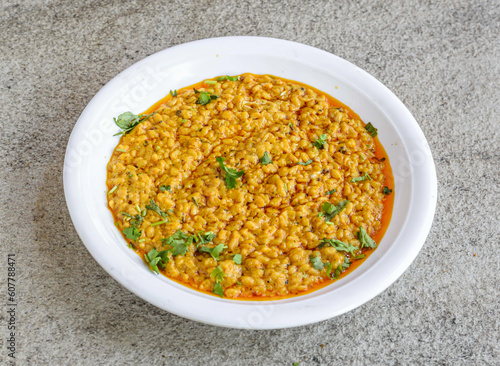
<point>250,187</point>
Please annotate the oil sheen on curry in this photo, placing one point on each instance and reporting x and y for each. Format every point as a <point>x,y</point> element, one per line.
<point>250,187</point>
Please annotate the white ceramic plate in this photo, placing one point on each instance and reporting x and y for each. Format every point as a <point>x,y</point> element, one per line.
<point>141,85</point>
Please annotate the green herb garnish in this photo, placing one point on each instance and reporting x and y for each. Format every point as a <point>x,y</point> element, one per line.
<point>203,237</point>
<point>237,258</point>
<point>386,190</point>
<point>371,130</point>
<point>218,289</point>
<point>164,188</point>
<point>155,259</point>
<point>306,163</point>
<point>338,271</point>
<point>132,233</point>
<point>215,251</point>
<point>213,82</point>
<point>321,141</point>
<point>361,256</point>
<point>127,121</point>
<point>154,207</point>
<point>365,239</point>
<point>204,97</point>
<point>265,159</point>
<point>231,174</point>
<point>316,262</point>
<point>112,189</point>
<point>218,275</point>
<point>340,246</point>
<point>121,150</point>
<point>329,210</point>
<point>361,178</point>
<point>179,242</point>
<point>328,267</point>
<point>135,220</point>
<point>227,77</point>
<point>158,223</point>
<point>196,203</point>
<point>331,192</point>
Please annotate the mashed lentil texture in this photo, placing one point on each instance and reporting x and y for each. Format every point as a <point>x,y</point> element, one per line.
<point>312,187</point>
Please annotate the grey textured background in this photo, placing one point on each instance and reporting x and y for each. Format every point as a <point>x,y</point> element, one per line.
<point>440,58</point>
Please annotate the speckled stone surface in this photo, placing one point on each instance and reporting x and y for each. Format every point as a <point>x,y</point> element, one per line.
<point>442,59</point>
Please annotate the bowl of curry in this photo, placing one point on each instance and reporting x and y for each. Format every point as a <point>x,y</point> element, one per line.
<point>258,194</point>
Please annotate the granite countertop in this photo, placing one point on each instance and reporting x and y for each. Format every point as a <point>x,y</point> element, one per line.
<point>442,59</point>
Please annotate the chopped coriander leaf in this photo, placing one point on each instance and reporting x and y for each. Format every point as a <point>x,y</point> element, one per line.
<point>361,256</point>
<point>340,268</point>
<point>331,192</point>
<point>321,141</point>
<point>295,364</point>
<point>265,159</point>
<point>112,189</point>
<point>328,267</point>
<point>204,97</point>
<point>316,262</point>
<point>183,120</point>
<point>227,77</point>
<point>210,82</point>
<point>386,190</point>
<point>237,258</point>
<point>340,246</point>
<point>306,163</point>
<point>204,237</point>
<point>329,210</point>
<point>165,188</point>
<point>127,121</point>
<point>179,242</point>
<point>132,233</point>
<point>371,130</point>
<point>156,259</point>
<point>217,274</point>
<point>365,239</point>
<point>131,246</point>
<point>361,178</point>
<point>134,220</point>
<point>214,252</point>
<point>154,207</point>
<point>231,174</point>
<point>194,200</point>
<point>158,223</point>
<point>218,290</point>
<point>173,93</point>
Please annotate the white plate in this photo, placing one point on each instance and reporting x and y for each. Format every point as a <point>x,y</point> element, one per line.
<point>141,85</point>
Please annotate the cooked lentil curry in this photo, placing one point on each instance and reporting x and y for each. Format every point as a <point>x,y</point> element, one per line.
<point>250,187</point>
